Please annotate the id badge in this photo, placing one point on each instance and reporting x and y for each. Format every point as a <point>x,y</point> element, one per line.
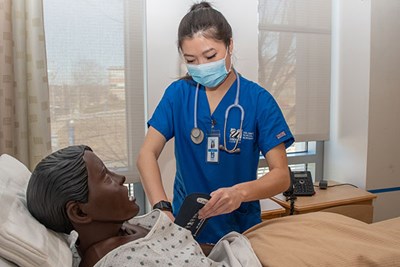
<point>213,147</point>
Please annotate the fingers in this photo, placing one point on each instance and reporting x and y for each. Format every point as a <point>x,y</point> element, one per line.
<point>218,209</point>
<point>210,206</point>
<point>223,200</point>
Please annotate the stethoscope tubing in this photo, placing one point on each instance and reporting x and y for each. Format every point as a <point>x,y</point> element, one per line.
<point>234,105</point>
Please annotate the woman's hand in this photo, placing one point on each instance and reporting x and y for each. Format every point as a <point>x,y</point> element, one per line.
<point>223,200</point>
<point>170,215</point>
<point>228,199</point>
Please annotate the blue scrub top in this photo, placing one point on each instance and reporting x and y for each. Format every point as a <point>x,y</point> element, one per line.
<point>264,127</point>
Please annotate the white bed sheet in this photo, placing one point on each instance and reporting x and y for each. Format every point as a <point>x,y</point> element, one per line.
<point>6,263</point>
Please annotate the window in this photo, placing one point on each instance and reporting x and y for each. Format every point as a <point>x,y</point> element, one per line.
<point>294,62</point>
<point>294,65</point>
<point>96,78</point>
<point>302,156</point>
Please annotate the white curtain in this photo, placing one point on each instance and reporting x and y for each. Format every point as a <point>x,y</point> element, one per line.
<point>24,96</point>
<point>295,64</point>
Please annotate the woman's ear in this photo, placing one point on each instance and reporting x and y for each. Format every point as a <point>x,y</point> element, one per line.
<point>231,47</point>
<point>75,213</point>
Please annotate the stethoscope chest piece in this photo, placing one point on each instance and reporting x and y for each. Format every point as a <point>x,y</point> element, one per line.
<point>197,135</point>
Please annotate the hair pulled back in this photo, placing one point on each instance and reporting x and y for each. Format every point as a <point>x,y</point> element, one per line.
<point>57,179</point>
<point>203,19</point>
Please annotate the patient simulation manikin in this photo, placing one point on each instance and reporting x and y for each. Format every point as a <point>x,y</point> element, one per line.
<point>72,189</point>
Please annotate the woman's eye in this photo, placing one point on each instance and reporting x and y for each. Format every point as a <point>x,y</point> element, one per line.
<point>211,57</point>
<point>189,61</point>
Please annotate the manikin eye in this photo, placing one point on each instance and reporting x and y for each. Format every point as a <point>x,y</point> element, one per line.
<point>108,179</point>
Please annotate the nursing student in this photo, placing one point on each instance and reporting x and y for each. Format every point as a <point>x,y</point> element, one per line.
<point>221,122</point>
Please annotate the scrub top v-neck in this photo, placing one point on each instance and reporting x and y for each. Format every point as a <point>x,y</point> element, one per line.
<point>263,128</point>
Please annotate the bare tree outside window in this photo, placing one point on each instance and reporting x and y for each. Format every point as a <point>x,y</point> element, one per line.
<point>86,45</point>
<point>294,62</point>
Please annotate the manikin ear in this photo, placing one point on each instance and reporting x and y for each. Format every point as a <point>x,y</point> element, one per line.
<point>75,213</point>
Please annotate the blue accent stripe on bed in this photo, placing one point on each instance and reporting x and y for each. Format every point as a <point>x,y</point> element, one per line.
<point>384,190</point>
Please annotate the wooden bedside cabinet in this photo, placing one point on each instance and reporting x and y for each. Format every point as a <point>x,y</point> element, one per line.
<point>271,209</point>
<point>339,198</point>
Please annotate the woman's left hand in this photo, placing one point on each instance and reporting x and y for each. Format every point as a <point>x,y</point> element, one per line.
<point>222,201</point>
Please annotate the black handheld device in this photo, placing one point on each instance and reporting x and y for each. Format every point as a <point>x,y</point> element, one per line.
<point>188,215</point>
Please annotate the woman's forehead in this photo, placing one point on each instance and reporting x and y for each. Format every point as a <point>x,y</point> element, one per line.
<point>199,42</point>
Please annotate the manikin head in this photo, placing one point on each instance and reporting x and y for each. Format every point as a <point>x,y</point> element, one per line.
<point>73,187</point>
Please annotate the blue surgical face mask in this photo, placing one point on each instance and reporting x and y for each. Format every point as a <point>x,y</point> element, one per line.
<point>209,74</point>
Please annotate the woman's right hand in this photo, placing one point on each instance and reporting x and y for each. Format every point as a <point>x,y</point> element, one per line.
<point>149,169</point>
<point>170,215</point>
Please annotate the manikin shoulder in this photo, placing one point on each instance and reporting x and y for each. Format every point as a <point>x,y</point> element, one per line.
<point>98,250</point>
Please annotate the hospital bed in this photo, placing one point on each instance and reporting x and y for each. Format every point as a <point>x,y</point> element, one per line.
<point>314,239</point>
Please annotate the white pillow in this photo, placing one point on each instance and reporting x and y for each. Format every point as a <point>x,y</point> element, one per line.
<point>23,240</point>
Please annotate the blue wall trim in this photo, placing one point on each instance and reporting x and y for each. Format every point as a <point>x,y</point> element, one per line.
<point>384,190</point>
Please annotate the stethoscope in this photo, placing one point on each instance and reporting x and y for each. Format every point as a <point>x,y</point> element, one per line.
<point>197,134</point>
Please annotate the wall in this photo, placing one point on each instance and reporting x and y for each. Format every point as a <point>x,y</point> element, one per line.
<point>163,64</point>
<point>383,160</point>
<point>365,99</point>
<point>345,152</point>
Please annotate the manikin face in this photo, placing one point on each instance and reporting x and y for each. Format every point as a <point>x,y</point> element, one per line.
<point>200,50</point>
<point>108,197</point>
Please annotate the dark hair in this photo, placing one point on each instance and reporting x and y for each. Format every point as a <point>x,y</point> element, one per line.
<point>205,19</point>
<point>57,179</point>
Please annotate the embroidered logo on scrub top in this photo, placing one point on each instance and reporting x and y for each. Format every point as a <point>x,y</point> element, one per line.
<point>236,133</point>
<point>281,134</point>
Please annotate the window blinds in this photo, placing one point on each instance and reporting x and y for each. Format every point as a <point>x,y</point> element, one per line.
<point>295,64</point>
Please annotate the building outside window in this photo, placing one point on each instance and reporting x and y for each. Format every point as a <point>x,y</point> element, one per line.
<point>96,78</point>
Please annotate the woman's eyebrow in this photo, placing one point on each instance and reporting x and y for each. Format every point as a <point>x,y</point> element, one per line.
<point>204,52</point>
